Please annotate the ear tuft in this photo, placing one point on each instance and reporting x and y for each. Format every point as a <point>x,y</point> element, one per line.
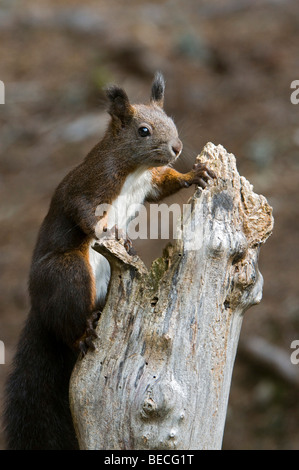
<point>158,88</point>
<point>120,106</point>
<point>114,92</point>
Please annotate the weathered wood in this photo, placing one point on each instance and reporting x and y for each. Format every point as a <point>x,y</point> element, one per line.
<point>167,338</point>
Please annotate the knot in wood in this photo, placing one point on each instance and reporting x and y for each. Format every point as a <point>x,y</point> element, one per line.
<point>245,274</point>
<point>155,406</point>
<point>149,408</point>
<point>160,400</point>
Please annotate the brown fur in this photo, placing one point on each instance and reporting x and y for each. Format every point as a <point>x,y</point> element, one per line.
<point>62,285</point>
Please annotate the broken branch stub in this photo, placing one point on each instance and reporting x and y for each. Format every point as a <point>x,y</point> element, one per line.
<point>167,338</point>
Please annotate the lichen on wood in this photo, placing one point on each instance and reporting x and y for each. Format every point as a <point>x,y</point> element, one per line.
<point>167,338</point>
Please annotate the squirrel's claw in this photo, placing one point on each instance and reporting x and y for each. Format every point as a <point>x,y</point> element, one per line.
<point>201,174</point>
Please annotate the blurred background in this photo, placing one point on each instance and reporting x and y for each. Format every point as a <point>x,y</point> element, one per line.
<point>229,66</point>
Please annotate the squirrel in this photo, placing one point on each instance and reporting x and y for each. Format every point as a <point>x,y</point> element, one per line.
<point>68,280</point>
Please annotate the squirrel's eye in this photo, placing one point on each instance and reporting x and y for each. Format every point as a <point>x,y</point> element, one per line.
<point>144,131</point>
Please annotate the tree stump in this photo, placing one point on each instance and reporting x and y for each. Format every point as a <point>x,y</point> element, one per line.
<point>167,338</point>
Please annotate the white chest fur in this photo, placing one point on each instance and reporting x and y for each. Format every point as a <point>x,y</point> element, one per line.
<point>135,189</point>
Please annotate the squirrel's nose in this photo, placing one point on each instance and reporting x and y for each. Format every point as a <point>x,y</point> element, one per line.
<point>176,147</point>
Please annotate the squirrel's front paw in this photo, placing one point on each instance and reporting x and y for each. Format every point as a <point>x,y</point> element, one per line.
<point>201,175</point>
<point>86,341</point>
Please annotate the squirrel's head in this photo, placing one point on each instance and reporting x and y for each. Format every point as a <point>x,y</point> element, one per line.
<point>144,131</point>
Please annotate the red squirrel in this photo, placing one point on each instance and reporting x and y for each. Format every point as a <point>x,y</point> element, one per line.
<point>68,279</point>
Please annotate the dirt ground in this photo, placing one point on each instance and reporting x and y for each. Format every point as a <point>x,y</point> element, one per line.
<point>229,66</point>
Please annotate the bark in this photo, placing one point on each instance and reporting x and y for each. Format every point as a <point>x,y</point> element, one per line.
<point>167,338</point>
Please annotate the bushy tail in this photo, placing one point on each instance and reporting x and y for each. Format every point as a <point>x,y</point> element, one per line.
<point>37,414</point>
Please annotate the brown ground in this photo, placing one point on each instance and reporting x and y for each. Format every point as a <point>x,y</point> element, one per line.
<point>229,66</point>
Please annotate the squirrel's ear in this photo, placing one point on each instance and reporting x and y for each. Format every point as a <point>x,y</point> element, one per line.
<point>120,106</point>
<point>158,88</point>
